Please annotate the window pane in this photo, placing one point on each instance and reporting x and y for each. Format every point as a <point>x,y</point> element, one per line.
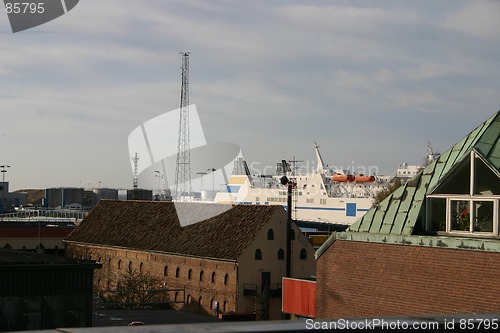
<point>458,182</point>
<point>460,215</point>
<point>487,183</point>
<point>437,214</point>
<point>484,216</point>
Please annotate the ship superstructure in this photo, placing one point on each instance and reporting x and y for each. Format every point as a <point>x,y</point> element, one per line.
<point>324,195</point>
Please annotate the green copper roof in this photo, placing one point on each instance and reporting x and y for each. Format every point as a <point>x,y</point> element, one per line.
<point>403,212</point>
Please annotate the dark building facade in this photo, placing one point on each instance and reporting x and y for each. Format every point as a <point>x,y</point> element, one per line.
<point>39,291</point>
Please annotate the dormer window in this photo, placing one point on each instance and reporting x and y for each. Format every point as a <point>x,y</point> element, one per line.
<point>467,201</point>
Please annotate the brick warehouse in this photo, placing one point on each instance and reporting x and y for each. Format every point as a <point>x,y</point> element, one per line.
<point>227,259</point>
<point>431,247</point>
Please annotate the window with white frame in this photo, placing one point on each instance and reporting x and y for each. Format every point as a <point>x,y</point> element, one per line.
<point>468,201</point>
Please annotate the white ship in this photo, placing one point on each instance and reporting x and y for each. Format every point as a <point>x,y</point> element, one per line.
<point>324,195</point>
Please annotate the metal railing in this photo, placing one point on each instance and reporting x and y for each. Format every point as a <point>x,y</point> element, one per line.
<point>48,215</point>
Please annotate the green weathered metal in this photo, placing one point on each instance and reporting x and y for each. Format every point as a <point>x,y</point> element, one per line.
<point>395,220</point>
<point>400,212</point>
<point>459,243</point>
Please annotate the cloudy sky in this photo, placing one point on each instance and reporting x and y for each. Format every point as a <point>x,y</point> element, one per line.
<point>371,81</point>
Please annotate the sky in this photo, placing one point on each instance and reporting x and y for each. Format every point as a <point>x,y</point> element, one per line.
<point>372,82</point>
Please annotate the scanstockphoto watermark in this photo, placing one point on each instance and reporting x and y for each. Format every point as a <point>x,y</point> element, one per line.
<point>370,324</point>
<point>446,324</point>
<point>154,146</point>
<point>304,167</point>
<point>27,14</point>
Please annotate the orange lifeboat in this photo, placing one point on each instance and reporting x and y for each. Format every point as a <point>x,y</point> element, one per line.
<point>364,179</point>
<point>342,178</point>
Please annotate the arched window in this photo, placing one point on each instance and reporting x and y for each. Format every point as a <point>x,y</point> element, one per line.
<point>213,277</point>
<point>224,306</point>
<point>303,254</point>
<point>140,267</point>
<point>176,296</point>
<point>189,274</point>
<point>165,271</point>
<point>119,264</point>
<point>177,272</point>
<point>188,299</point>
<point>270,234</point>
<point>130,266</point>
<point>201,276</point>
<point>199,300</point>
<point>225,279</point>
<point>212,304</point>
<point>258,254</point>
<point>281,254</point>
<point>109,262</point>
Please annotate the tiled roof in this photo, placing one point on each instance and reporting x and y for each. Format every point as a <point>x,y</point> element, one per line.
<point>401,212</point>
<point>154,225</point>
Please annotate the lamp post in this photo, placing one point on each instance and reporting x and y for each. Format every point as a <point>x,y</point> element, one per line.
<point>201,186</point>
<point>3,171</point>
<point>212,170</point>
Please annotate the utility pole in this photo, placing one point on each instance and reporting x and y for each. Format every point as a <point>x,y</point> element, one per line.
<point>183,165</point>
<point>290,183</point>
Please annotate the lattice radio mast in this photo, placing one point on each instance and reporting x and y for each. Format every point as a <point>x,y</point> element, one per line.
<point>135,159</point>
<point>183,167</point>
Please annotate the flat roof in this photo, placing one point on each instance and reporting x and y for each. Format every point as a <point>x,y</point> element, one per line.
<point>18,258</point>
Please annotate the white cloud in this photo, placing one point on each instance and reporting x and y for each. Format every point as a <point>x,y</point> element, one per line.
<point>270,76</point>
<point>476,18</point>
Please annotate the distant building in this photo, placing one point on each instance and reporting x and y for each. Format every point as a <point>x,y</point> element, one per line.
<point>103,193</point>
<point>40,292</point>
<point>431,247</point>
<point>140,194</point>
<point>227,262</point>
<point>406,172</point>
<point>64,197</point>
<point>11,200</point>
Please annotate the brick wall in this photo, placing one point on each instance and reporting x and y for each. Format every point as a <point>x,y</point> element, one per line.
<point>358,279</point>
<point>116,261</point>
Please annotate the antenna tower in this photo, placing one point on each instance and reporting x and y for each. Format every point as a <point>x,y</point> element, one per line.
<point>183,166</point>
<point>135,159</point>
